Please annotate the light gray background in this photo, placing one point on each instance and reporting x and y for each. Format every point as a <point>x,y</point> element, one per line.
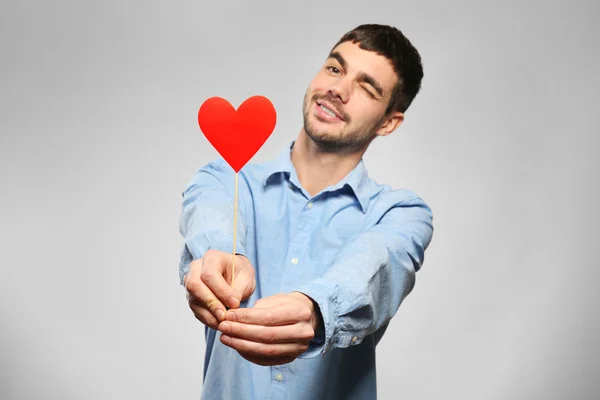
<point>99,137</point>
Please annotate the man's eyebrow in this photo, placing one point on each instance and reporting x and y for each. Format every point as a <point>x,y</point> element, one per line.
<point>362,76</point>
<point>336,55</point>
<point>371,81</point>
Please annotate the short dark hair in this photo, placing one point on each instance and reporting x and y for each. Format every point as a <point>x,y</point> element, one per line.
<point>390,43</point>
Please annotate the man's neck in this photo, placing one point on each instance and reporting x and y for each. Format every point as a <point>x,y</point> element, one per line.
<point>318,170</point>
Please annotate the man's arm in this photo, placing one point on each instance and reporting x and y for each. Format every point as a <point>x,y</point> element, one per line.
<point>357,295</point>
<point>206,262</point>
<point>207,215</point>
<point>371,276</point>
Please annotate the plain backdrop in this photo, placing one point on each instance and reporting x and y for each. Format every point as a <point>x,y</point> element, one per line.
<point>99,137</point>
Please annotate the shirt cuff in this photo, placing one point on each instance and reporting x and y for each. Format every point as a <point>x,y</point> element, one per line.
<point>341,330</point>
<point>322,341</point>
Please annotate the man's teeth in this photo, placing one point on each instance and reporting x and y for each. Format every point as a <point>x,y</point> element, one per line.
<point>327,110</point>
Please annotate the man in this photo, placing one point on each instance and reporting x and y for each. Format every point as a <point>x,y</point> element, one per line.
<point>325,255</point>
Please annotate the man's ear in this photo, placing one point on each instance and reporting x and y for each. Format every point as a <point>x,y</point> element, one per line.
<point>393,121</point>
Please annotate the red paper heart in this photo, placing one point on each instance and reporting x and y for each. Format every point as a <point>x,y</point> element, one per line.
<point>237,135</point>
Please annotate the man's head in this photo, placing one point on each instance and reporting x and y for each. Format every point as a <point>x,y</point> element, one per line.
<point>369,80</point>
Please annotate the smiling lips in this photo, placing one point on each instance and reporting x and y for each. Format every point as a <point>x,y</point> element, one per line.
<point>327,111</point>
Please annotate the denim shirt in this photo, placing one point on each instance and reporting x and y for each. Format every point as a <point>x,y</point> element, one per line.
<point>353,248</point>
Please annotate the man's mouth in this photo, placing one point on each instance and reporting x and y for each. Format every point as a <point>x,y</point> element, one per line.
<point>328,110</point>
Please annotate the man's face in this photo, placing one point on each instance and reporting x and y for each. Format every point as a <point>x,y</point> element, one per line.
<point>345,103</point>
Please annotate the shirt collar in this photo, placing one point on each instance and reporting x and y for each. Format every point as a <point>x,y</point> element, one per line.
<point>283,163</point>
<point>357,179</point>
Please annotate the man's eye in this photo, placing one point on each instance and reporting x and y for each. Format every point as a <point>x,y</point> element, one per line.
<point>334,70</point>
<point>368,92</point>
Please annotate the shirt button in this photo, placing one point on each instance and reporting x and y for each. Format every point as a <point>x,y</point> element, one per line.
<point>354,339</point>
<point>294,261</point>
<point>279,377</point>
<point>309,205</point>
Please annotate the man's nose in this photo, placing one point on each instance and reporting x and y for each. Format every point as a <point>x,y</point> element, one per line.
<point>341,89</point>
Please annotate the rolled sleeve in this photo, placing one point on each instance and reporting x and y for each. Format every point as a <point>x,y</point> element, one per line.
<point>371,276</point>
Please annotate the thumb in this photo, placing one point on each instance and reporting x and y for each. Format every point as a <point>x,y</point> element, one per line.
<point>244,284</point>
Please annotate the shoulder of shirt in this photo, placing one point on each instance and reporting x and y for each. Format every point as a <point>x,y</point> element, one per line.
<point>384,196</point>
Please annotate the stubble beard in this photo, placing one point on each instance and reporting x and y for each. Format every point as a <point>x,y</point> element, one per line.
<point>344,142</point>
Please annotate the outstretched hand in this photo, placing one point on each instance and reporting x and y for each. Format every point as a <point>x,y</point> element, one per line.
<point>208,285</point>
<point>276,330</point>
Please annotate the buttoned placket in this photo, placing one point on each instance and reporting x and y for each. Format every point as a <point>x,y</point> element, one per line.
<point>294,260</point>
<point>278,373</point>
<point>279,377</point>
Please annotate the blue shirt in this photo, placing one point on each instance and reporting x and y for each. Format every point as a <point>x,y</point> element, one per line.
<point>354,248</point>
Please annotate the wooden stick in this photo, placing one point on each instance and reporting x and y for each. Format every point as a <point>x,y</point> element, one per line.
<point>234,229</point>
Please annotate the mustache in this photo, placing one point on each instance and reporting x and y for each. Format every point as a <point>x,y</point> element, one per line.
<point>335,103</point>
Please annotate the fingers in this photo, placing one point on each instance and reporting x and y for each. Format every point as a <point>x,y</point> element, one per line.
<point>214,269</point>
<point>269,301</point>
<point>193,275</point>
<point>300,332</point>
<point>271,316</point>
<point>275,331</point>
<point>208,287</point>
<point>264,350</point>
<point>200,296</point>
<point>203,314</point>
<point>245,281</point>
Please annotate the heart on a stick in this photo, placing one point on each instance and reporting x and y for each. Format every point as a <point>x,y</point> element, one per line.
<point>237,135</point>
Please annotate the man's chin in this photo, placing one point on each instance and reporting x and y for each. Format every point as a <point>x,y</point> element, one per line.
<point>321,137</point>
<point>326,142</point>
<point>334,143</point>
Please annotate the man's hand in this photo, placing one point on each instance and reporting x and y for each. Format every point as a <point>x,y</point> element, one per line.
<point>275,331</point>
<point>208,285</point>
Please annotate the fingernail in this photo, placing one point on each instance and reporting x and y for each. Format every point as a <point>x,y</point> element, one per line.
<point>233,302</point>
<point>225,339</point>
<point>220,315</point>
<point>224,326</point>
